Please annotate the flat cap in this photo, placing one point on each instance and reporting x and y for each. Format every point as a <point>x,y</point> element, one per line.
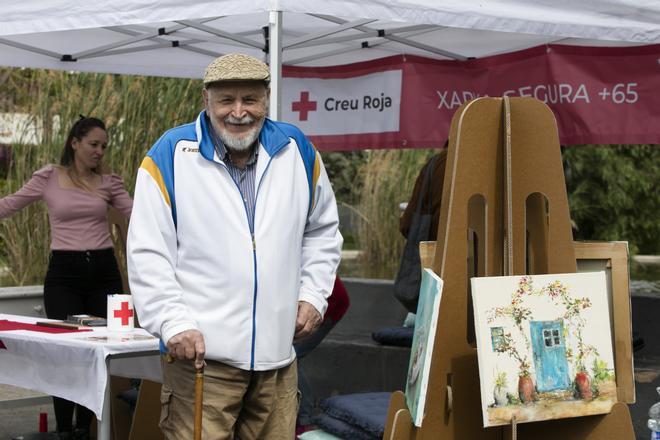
<point>236,67</point>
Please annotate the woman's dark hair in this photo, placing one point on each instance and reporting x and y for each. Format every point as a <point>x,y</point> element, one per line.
<point>79,130</point>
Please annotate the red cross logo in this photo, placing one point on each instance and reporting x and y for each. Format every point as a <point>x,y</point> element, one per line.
<point>124,313</point>
<point>303,106</point>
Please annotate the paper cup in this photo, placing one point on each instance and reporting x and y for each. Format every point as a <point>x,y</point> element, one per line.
<point>120,313</point>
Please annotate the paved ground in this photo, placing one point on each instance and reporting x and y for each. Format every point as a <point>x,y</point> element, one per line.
<point>17,420</point>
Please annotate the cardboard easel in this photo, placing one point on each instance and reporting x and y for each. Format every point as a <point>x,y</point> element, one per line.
<point>504,182</point>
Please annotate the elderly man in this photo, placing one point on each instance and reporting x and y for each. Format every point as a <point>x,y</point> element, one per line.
<point>232,251</point>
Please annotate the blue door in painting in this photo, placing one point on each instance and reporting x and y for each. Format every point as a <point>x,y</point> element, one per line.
<point>549,355</point>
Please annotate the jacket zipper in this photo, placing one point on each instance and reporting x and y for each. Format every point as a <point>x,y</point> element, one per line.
<point>254,252</point>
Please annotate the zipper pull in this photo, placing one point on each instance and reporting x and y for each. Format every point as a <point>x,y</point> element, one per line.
<point>254,243</point>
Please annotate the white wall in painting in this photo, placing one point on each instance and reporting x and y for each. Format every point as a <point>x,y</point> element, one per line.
<point>566,315</point>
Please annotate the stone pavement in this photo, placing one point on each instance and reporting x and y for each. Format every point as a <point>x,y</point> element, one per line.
<point>17,418</point>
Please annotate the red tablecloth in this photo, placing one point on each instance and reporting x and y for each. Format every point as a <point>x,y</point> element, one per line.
<point>6,325</point>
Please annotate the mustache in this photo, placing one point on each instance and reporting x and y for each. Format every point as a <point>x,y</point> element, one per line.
<point>245,120</point>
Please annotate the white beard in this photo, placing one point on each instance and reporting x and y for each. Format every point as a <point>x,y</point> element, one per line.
<point>245,141</point>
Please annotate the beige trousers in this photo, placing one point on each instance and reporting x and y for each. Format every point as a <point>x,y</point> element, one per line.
<point>238,404</point>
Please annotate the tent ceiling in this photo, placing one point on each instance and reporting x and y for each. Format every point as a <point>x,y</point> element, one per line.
<point>168,38</point>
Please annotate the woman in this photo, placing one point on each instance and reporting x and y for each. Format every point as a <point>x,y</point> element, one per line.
<point>82,269</point>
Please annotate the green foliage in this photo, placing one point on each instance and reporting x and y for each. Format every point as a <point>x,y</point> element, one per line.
<point>600,372</point>
<point>343,170</point>
<point>512,399</point>
<point>612,191</point>
<point>500,379</point>
<point>388,178</point>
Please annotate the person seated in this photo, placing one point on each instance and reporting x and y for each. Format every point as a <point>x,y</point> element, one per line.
<point>338,303</point>
<point>430,198</point>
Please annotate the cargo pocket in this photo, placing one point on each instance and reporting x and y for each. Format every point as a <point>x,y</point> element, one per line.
<point>165,402</point>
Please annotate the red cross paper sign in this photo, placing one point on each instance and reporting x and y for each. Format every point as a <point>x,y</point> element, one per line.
<point>124,313</point>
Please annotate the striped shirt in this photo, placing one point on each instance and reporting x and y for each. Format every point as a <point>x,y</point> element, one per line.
<point>244,178</point>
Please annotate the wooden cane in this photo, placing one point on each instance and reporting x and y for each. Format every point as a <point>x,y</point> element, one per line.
<point>199,397</point>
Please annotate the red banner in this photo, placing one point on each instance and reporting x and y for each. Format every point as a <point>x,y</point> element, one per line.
<point>598,95</point>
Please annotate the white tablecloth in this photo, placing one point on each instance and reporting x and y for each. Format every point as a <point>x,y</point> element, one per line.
<point>74,366</point>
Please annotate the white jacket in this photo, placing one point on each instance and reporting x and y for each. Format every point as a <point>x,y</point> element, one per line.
<point>193,262</point>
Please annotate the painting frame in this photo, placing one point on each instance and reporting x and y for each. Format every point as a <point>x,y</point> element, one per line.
<point>613,257</point>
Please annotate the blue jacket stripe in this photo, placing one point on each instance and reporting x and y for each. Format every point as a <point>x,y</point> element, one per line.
<point>162,153</point>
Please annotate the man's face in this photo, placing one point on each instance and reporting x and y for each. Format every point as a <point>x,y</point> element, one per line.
<point>237,111</point>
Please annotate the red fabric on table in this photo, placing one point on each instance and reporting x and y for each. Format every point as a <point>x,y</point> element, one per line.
<point>6,325</point>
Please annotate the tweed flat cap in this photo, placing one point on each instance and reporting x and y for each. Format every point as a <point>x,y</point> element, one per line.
<point>236,67</point>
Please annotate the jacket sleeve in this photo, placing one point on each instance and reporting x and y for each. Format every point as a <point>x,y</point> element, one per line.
<point>152,257</point>
<point>321,245</point>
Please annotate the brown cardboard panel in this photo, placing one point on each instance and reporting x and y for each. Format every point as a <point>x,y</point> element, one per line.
<point>147,413</point>
<point>476,166</point>
<point>426,253</point>
<point>537,168</point>
<point>616,425</point>
<point>397,402</point>
<point>403,426</point>
<point>473,168</point>
<point>120,411</point>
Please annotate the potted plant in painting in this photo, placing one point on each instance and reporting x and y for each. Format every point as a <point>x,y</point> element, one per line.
<point>583,385</point>
<point>526,388</point>
<point>499,392</point>
<point>557,291</point>
<point>519,314</point>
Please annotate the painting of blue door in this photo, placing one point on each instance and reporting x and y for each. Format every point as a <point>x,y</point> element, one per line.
<point>549,350</point>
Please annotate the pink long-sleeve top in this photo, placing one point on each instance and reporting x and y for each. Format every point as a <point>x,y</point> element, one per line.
<point>77,217</point>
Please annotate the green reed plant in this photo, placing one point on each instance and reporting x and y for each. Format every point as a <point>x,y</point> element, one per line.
<point>137,111</point>
<point>389,176</point>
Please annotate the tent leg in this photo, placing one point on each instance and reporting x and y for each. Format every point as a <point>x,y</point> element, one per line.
<point>275,61</point>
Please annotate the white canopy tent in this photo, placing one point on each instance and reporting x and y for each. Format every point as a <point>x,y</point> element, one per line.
<point>178,39</point>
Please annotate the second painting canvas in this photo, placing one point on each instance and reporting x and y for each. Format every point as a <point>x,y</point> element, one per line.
<point>544,345</point>
<point>426,323</point>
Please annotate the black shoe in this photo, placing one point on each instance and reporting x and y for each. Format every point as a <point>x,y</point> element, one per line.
<point>65,435</point>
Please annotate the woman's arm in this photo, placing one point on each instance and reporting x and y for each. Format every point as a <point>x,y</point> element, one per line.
<point>30,192</point>
<point>119,197</point>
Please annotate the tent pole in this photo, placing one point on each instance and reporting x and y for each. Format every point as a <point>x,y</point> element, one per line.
<point>275,61</point>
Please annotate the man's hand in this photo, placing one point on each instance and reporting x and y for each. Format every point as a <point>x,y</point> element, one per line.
<point>188,345</point>
<point>307,321</point>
